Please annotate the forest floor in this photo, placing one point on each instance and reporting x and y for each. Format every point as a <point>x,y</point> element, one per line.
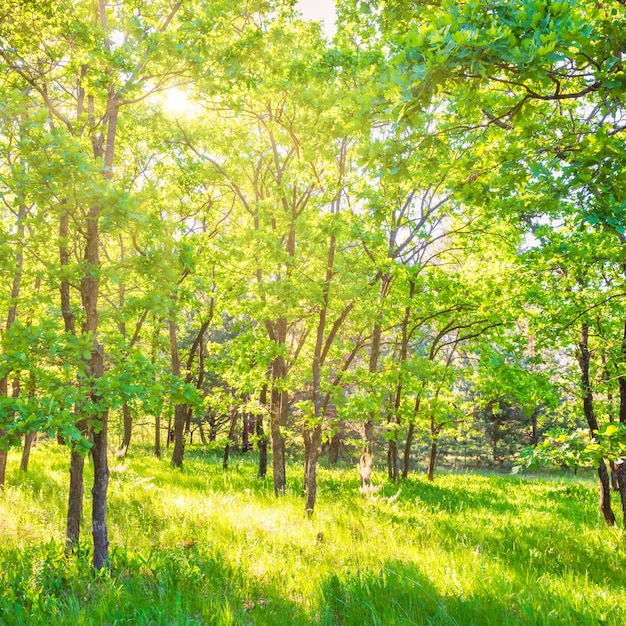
<point>207,546</point>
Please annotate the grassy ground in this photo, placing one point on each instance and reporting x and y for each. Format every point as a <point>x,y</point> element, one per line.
<point>203,546</point>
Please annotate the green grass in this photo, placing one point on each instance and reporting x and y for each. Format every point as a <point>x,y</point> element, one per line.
<point>204,546</point>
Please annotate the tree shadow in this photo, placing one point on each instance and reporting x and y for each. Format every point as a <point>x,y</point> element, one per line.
<point>399,593</point>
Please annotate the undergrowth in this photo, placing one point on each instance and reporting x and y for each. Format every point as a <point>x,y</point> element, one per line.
<point>206,546</point>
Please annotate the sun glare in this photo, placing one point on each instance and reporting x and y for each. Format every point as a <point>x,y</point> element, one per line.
<point>176,102</point>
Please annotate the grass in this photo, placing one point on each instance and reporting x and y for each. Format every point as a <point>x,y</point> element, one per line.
<point>204,546</point>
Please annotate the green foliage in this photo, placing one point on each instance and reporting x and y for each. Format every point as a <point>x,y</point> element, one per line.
<point>576,448</point>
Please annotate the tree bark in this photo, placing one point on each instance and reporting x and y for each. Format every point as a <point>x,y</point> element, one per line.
<point>75,497</point>
<point>333,449</point>
<point>584,361</point>
<point>231,438</point>
<point>262,437</point>
<point>311,465</point>
<point>29,439</point>
<point>128,429</point>
<point>432,460</point>
<point>277,411</point>
<point>180,410</point>
<point>620,468</point>
<point>407,450</point>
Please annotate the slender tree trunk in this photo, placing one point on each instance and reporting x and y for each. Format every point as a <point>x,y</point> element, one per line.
<point>306,435</point>
<point>29,439</point>
<point>620,468</point>
<point>584,360</point>
<point>432,460</point>
<point>99,496</point>
<point>262,437</point>
<point>333,449</point>
<point>409,437</point>
<point>247,425</point>
<point>392,460</point>
<point>128,429</point>
<point>77,461</point>
<point>277,411</point>
<point>4,391</point>
<point>75,497</point>
<point>407,450</point>
<point>534,437</point>
<point>368,425</point>
<point>311,477</point>
<point>202,434</point>
<point>231,437</point>
<point>157,435</point>
<point>180,410</point>
<point>31,435</point>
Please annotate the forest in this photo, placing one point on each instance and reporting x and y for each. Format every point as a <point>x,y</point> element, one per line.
<point>311,325</point>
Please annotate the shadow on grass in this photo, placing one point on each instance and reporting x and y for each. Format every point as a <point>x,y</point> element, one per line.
<point>190,586</point>
<point>174,587</point>
<point>400,594</point>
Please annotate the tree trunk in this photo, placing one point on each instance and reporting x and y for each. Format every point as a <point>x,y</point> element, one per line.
<point>311,465</point>
<point>231,438</point>
<point>180,413</point>
<point>31,435</point>
<point>584,361</point>
<point>368,425</point>
<point>75,498</point>
<point>202,435</point>
<point>157,436</point>
<point>534,437</point>
<point>262,437</point>
<point>248,427</point>
<point>407,450</point>
<point>432,460</point>
<point>128,429</point>
<point>180,410</point>
<point>620,468</point>
<point>333,450</point>
<point>277,412</point>
<point>29,438</point>
<point>306,435</point>
<point>392,460</point>
<point>99,496</point>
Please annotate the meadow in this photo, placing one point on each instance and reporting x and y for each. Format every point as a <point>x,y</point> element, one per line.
<point>208,546</point>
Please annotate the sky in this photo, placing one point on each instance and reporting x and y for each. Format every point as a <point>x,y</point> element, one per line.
<point>320,10</point>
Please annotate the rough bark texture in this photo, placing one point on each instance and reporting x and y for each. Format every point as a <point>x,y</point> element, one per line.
<point>99,495</point>
<point>311,465</point>
<point>74,501</point>
<point>584,360</point>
